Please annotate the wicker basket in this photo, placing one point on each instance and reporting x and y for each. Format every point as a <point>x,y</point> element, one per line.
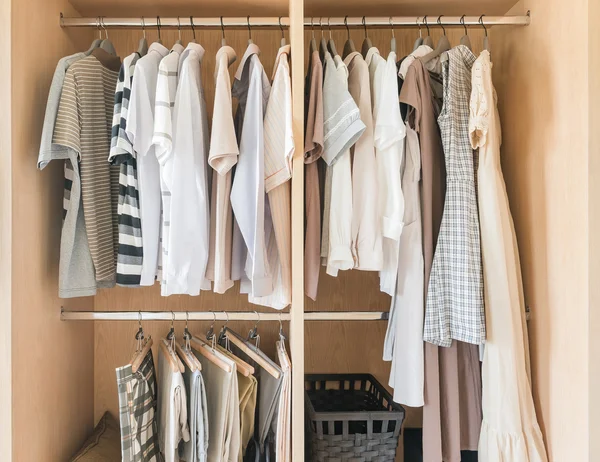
<point>350,418</point>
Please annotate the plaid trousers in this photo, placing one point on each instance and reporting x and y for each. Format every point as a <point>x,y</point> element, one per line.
<point>137,412</point>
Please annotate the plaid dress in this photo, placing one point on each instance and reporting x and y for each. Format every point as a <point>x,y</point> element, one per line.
<point>455,308</point>
<point>137,412</point>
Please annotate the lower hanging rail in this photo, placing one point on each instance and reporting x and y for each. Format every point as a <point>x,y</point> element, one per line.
<point>219,316</point>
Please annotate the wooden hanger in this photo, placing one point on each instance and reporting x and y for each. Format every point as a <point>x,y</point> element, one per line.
<point>242,366</point>
<point>143,45</point>
<point>349,45</point>
<point>331,43</point>
<point>465,39</point>
<point>106,44</point>
<point>442,46</point>
<point>188,358</point>
<point>249,350</point>
<point>367,44</point>
<point>203,348</point>
<point>419,40</point>
<point>139,356</point>
<point>428,40</point>
<point>172,357</point>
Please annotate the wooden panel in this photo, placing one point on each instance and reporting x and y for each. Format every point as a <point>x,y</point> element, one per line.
<point>345,347</point>
<point>115,341</point>
<point>52,361</point>
<point>545,161</point>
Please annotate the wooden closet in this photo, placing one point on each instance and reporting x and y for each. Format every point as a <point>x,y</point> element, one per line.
<point>57,377</point>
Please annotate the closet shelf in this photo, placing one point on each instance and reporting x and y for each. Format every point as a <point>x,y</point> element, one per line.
<point>219,316</point>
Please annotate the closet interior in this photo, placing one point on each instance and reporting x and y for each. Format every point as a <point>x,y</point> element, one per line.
<point>343,330</point>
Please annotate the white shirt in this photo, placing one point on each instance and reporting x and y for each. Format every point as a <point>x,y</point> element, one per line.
<point>389,148</point>
<point>251,87</point>
<point>188,182</point>
<point>340,212</point>
<point>140,127</point>
<point>172,409</point>
<point>421,51</point>
<point>166,89</point>
<point>222,157</point>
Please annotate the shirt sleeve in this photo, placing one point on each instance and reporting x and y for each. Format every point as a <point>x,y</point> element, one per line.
<point>341,118</point>
<point>411,96</point>
<point>115,150</point>
<point>163,127</point>
<point>67,130</point>
<point>248,190</point>
<point>479,110</point>
<point>141,115</point>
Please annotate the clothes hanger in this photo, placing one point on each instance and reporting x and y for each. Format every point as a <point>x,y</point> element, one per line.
<point>143,45</point>
<point>158,26</point>
<point>184,352</point>
<point>465,39</point>
<point>442,46</point>
<point>323,43</point>
<point>96,43</point>
<point>349,45</point>
<point>223,41</point>
<point>367,44</point>
<point>178,42</point>
<point>282,33</point>
<point>419,40</point>
<point>249,32</point>
<point>331,43</point>
<point>174,361</point>
<point>106,44</point>
<point>209,350</point>
<point>248,349</point>
<point>486,41</point>
<point>193,29</point>
<point>253,333</point>
<point>393,41</point>
<point>242,366</point>
<point>142,348</point>
<point>428,40</point>
<point>170,344</point>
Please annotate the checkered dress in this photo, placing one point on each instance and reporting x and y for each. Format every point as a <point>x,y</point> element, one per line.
<point>137,412</point>
<point>455,308</point>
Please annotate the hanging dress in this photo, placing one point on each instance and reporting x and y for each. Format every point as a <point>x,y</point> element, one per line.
<point>510,431</point>
<point>454,308</point>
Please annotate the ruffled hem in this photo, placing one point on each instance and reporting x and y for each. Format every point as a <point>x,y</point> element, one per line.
<point>526,446</point>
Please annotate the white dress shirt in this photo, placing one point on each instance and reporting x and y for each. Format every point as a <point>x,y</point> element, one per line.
<point>187,247</point>
<point>389,134</point>
<point>140,128</point>
<point>252,87</point>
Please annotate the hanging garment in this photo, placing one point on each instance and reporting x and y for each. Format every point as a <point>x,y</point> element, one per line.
<point>454,307</point>
<point>248,389</point>
<point>195,450</point>
<point>186,177</point>
<point>140,129</point>
<point>172,409</point>
<point>509,431</point>
<point>422,50</point>
<point>342,127</point>
<point>367,248</point>
<point>251,87</point>
<point>162,139</point>
<point>83,125</point>
<point>76,276</point>
<point>389,148</point>
<point>137,412</point>
<point>404,337</point>
<point>282,419</point>
<point>130,251</point>
<point>313,148</point>
<point>222,157</point>
<point>220,390</point>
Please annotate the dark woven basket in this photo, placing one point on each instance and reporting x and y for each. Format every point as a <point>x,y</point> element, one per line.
<point>350,418</point>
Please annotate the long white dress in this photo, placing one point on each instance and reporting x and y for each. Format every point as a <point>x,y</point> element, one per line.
<point>509,432</point>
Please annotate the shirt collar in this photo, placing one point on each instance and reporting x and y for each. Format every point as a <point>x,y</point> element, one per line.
<point>372,51</point>
<point>177,48</point>
<point>251,50</point>
<point>197,48</point>
<point>351,57</point>
<point>159,48</point>
<point>284,50</point>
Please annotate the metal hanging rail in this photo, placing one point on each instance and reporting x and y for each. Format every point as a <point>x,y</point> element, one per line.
<point>219,316</point>
<point>252,21</point>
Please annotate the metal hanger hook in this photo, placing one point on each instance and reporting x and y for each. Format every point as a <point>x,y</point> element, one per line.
<point>172,320</point>
<point>193,27</point>
<point>104,26</point>
<point>482,24</point>
<point>98,27</point>
<point>329,27</point>
<point>392,26</point>
<point>143,27</point>
<point>439,21</point>
<point>312,27</point>
<point>281,27</point>
<point>346,24</point>
<point>179,27</point>
<point>187,318</point>
<point>223,27</point>
<point>426,25</point>
<point>419,26</point>
<point>249,30</point>
<point>210,333</point>
<point>226,319</point>
<point>321,25</point>
<point>158,26</point>
<point>462,21</point>
<point>364,23</point>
